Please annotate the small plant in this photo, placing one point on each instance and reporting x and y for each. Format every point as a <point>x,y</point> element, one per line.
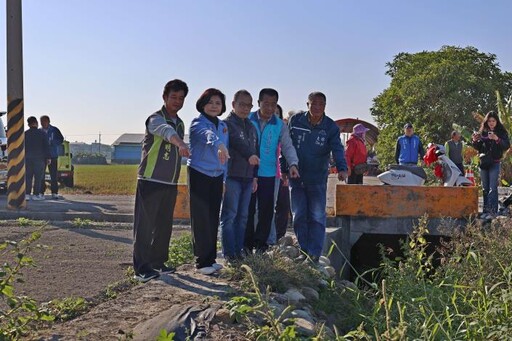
<point>180,251</point>
<point>256,307</point>
<point>22,221</point>
<point>17,311</point>
<point>164,336</point>
<point>68,308</point>
<point>80,222</point>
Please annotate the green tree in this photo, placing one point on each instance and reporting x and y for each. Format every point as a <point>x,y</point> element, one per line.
<point>433,90</point>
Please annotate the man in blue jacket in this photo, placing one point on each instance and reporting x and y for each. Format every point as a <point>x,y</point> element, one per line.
<point>55,140</point>
<point>315,136</point>
<point>272,132</point>
<point>408,146</point>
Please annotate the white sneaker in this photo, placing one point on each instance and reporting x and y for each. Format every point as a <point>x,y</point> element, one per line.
<point>28,197</point>
<point>207,270</point>
<point>56,196</point>
<point>38,197</point>
<point>217,266</point>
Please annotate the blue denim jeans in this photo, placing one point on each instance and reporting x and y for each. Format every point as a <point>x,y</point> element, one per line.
<point>233,217</point>
<point>490,187</point>
<point>309,217</point>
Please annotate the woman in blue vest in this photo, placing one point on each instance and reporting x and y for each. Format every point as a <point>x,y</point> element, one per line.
<point>207,169</point>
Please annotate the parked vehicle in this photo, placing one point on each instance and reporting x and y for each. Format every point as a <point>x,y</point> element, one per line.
<point>65,168</point>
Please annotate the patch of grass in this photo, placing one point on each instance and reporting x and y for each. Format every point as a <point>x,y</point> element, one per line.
<point>109,179</point>
<point>467,297</point>
<point>275,271</point>
<point>180,251</point>
<point>80,223</point>
<point>67,308</point>
<point>23,222</point>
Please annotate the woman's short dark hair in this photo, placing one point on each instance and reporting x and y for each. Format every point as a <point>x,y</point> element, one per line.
<point>207,95</point>
<point>175,85</point>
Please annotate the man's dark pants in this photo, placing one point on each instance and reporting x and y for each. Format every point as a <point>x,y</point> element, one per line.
<point>152,227</point>
<point>34,170</point>
<point>257,237</point>
<point>52,169</point>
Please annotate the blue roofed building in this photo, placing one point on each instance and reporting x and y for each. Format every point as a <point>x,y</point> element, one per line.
<point>127,149</point>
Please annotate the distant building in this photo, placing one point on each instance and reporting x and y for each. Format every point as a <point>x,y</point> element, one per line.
<point>127,149</point>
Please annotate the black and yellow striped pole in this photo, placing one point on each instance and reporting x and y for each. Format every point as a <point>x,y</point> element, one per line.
<point>15,131</point>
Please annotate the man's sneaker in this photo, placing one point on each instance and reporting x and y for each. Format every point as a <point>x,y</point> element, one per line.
<point>146,276</point>
<point>164,269</point>
<point>28,197</point>
<point>56,196</point>
<point>38,197</point>
<point>217,266</point>
<point>207,270</point>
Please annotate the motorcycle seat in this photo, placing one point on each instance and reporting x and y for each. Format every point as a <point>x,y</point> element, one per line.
<point>416,170</point>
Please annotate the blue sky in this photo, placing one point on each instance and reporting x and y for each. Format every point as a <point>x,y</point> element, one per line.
<point>100,65</point>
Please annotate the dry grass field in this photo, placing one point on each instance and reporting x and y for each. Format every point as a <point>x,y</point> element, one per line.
<point>108,179</point>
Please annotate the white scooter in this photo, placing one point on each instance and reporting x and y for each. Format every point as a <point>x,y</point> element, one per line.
<point>401,175</point>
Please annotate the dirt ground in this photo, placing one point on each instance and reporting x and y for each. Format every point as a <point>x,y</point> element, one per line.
<point>83,262</point>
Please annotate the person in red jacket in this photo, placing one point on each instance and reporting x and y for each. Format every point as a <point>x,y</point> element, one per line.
<point>356,153</point>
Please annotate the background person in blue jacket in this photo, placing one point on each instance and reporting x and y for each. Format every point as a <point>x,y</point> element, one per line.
<point>408,147</point>
<point>207,169</point>
<point>271,131</point>
<point>55,140</point>
<point>314,136</point>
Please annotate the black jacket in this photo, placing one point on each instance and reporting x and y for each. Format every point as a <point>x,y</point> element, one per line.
<point>243,142</point>
<point>495,148</point>
<point>36,144</point>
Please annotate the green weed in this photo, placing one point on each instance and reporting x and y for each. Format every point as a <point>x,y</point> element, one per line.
<point>81,223</point>
<point>67,308</point>
<point>22,221</point>
<point>164,336</point>
<point>180,251</point>
<point>18,311</point>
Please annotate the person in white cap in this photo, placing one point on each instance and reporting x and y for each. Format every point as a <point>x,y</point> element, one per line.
<point>356,154</point>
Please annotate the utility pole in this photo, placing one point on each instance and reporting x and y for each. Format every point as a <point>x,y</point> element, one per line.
<point>15,108</point>
<point>99,144</point>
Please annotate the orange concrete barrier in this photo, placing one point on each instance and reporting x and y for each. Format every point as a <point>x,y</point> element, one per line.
<point>404,201</point>
<point>182,210</point>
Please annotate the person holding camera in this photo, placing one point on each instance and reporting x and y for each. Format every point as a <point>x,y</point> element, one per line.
<point>491,141</point>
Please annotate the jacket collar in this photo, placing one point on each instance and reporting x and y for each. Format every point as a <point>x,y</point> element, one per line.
<point>255,116</point>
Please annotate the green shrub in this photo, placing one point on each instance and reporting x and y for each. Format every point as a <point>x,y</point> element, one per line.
<point>467,297</point>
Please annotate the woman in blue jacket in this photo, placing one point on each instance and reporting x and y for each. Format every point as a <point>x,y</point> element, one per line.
<point>207,168</point>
